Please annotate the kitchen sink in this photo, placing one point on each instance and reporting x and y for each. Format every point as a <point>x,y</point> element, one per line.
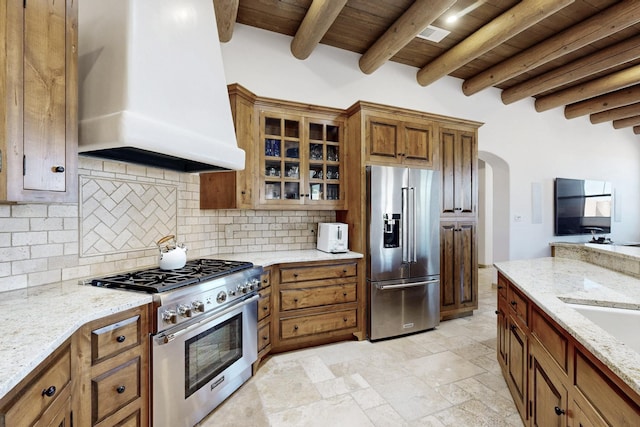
<point>615,321</point>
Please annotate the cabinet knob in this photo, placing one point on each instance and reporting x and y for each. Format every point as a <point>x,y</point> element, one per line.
<point>50,391</point>
<point>344,294</point>
<point>295,327</point>
<point>497,311</point>
<point>57,169</point>
<point>295,300</point>
<point>295,274</point>
<point>121,389</point>
<point>265,307</point>
<point>500,287</point>
<point>559,411</point>
<point>265,337</point>
<point>344,319</point>
<point>121,338</point>
<point>513,327</point>
<point>513,303</point>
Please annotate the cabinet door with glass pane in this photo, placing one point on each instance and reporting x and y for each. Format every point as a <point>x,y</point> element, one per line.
<point>281,148</point>
<point>325,162</point>
<point>301,161</point>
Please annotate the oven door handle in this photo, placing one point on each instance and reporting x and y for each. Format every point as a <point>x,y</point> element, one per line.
<point>167,337</point>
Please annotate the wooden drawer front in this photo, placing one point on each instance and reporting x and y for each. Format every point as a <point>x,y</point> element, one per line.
<point>292,299</point>
<point>319,323</point>
<point>264,304</point>
<point>519,304</point>
<point>114,389</point>
<point>552,340</point>
<point>299,274</point>
<point>265,279</point>
<point>39,395</point>
<point>605,397</point>
<point>502,286</point>
<point>264,336</point>
<point>115,338</point>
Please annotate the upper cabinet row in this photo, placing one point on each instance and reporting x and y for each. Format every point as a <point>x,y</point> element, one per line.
<point>296,154</point>
<point>294,157</point>
<point>38,88</point>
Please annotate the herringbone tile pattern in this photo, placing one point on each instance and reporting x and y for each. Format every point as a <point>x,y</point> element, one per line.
<point>120,216</point>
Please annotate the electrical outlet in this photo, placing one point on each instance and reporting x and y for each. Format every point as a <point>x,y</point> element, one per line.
<point>517,218</point>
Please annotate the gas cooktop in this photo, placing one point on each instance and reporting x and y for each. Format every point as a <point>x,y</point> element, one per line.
<point>155,280</point>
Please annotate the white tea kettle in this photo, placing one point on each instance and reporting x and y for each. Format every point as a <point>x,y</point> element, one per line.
<point>172,256</point>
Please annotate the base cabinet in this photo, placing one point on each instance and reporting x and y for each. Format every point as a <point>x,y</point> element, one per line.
<point>458,269</point>
<point>561,384</point>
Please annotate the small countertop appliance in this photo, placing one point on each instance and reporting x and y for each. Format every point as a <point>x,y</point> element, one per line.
<point>333,237</point>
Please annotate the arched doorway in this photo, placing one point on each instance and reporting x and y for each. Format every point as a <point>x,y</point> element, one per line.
<point>493,209</point>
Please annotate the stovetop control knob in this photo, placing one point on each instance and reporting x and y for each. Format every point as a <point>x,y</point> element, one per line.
<point>256,283</point>
<point>184,310</point>
<point>232,292</point>
<point>242,288</point>
<point>169,316</point>
<point>222,297</point>
<point>198,306</point>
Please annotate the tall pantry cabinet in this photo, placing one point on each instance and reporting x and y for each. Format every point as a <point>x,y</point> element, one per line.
<point>384,135</point>
<point>38,91</point>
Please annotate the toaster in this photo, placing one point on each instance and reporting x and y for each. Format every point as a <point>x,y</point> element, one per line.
<point>333,237</point>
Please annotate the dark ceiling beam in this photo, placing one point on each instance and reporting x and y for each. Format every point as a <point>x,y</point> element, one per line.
<point>597,87</point>
<point>616,113</point>
<point>601,25</point>
<point>611,100</point>
<point>605,59</point>
<point>412,22</point>
<point>317,21</point>
<point>626,123</point>
<point>512,22</point>
<point>226,13</point>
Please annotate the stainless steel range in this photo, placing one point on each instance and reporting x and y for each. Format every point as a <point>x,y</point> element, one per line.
<point>204,337</point>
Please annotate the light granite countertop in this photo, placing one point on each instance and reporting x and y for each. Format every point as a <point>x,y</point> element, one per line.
<point>630,252</point>
<point>36,321</point>
<point>550,282</point>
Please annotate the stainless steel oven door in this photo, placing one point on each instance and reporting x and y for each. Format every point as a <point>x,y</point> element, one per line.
<point>196,367</point>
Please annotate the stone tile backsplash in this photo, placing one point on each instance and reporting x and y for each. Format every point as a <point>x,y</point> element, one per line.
<point>123,210</point>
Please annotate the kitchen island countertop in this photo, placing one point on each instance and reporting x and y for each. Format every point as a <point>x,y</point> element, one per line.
<point>550,282</point>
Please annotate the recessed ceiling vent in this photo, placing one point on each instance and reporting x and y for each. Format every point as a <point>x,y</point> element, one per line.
<point>434,34</point>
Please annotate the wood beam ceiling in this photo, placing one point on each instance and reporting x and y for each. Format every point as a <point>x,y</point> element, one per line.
<point>583,54</point>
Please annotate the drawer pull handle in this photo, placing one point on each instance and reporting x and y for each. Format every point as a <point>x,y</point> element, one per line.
<point>559,411</point>
<point>49,392</point>
<point>121,338</point>
<point>121,389</point>
<point>344,270</point>
<point>57,169</point>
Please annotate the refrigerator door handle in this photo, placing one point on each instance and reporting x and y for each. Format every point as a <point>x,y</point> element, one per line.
<point>405,225</point>
<point>405,285</point>
<point>412,219</point>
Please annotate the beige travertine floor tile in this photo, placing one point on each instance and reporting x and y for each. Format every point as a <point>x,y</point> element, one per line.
<point>445,377</point>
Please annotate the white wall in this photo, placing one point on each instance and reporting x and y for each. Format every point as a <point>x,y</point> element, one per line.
<point>536,146</point>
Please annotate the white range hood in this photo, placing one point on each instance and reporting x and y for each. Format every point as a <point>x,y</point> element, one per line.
<point>151,85</point>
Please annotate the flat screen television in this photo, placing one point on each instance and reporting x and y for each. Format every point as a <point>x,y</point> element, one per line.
<point>582,207</point>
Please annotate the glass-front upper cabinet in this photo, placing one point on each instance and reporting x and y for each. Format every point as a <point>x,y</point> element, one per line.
<point>302,160</point>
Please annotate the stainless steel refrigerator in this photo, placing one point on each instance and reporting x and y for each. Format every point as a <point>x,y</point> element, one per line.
<point>403,268</point>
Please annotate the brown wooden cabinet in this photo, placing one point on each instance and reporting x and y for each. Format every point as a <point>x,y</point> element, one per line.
<point>316,303</point>
<point>294,157</point>
<point>459,165</point>
<point>44,398</point>
<point>560,382</point>
<point>114,366</point>
<point>264,318</point>
<point>391,139</point>
<point>458,269</point>
<point>38,148</point>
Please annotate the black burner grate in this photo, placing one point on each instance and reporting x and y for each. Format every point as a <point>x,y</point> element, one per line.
<point>154,280</point>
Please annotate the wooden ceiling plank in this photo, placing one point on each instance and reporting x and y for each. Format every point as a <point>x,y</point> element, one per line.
<point>620,53</point>
<point>616,113</point>
<point>226,13</point>
<point>603,24</point>
<point>316,23</point>
<point>404,30</point>
<point>626,123</point>
<point>615,99</point>
<point>597,87</point>
<point>515,20</point>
